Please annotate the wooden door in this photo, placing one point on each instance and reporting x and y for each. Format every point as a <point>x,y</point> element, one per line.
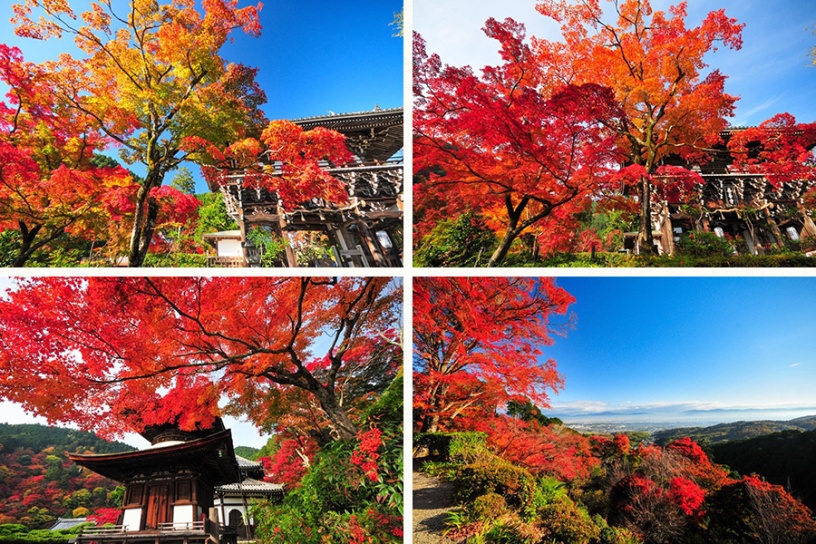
<point>158,505</point>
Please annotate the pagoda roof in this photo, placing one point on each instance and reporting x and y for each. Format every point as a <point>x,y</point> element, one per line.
<point>211,454</point>
<point>243,462</point>
<point>354,119</point>
<point>170,431</point>
<point>376,134</point>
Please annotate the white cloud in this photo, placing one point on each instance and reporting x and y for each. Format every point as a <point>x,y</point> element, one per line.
<point>746,118</point>
<point>586,410</point>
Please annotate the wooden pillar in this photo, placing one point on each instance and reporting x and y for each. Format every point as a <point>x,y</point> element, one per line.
<point>373,245</point>
<point>780,241</point>
<point>215,530</point>
<point>808,226</point>
<point>291,258</point>
<point>666,230</point>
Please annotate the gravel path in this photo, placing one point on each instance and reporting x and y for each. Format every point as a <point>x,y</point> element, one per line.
<point>432,502</point>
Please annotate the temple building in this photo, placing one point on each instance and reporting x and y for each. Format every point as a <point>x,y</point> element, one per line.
<point>176,490</point>
<point>742,207</point>
<point>365,232</point>
<point>232,500</point>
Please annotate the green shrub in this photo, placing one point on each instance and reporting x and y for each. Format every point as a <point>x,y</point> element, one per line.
<point>387,409</point>
<point>614,535</point>
<point>514,483</point>
<point>15,533</point>
<point>488,507</point>
<point>704,244</point>
<point>464,241</point>
<point>565,521</point>
<point>622,260</point>
<point>731,261</point>
<point>579,260</point>
<point>12,528</point>
<point>506,533</point>
<point>337,500</point>
<point>440,469</point>
<point>459,448</point>
<point>548,491</point>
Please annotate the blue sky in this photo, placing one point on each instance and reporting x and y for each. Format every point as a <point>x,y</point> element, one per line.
<point>772,73</point>
<point>314,57</point>
<point>665,347</point>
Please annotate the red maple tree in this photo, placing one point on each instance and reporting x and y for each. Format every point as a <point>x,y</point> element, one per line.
<point>132,352</point>
<point>287,160</point>
<point>479,340</point>
<point>149,76</point>
<point>553,450</point>
<point>781,151</point>
<point>49,185</point>
<point>514,144</point>
<point>654,64</point>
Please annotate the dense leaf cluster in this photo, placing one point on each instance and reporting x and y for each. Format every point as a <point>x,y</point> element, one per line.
<point>352,491</point>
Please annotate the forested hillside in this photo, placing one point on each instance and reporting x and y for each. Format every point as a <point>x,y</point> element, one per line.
<point>39,484</point>
<point>784,458</point>
<point>729,432</point>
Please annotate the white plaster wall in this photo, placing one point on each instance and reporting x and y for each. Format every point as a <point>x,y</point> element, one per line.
<point>229,248</point>
<point>132,519</point>
<point>183,513</point>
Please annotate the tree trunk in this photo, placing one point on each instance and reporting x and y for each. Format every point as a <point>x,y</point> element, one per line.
<point>513,216</point>
<point>144,224</point>
<point>138,226</point>
<point>26,249</point>
<point>28,246</point>
<point>430,424</point>
<point>501,251</point>
<point>808,227</point>
<point>645,238</point>
<point>345,428</point>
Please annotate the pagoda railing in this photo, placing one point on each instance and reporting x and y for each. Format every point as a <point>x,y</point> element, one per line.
<point>105,530</point>
<point>182,526</point>
<point>185,526</point>
<point>225,262</point>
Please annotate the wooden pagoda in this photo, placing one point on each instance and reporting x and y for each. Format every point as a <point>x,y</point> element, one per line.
<point>733,204</point>
<point>169,487</point>
<point>365,232</point>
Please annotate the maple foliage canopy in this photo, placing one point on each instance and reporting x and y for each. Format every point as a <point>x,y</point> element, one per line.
<point>779,148</point>
<point>655,66</point>
<point>479,339</point>
<point>287,160</point>
<point>131,352</point>
<point>513,144</point>
<point>48,183</point>
<point>553,450</point>
<point>151,76</point>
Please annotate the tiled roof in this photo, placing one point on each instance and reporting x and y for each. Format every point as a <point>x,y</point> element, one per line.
<point>243,462</point>
<point>67,523</point>
<point>250,486</point>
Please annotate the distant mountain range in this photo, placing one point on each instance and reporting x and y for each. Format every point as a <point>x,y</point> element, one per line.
<point>729,432</point>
